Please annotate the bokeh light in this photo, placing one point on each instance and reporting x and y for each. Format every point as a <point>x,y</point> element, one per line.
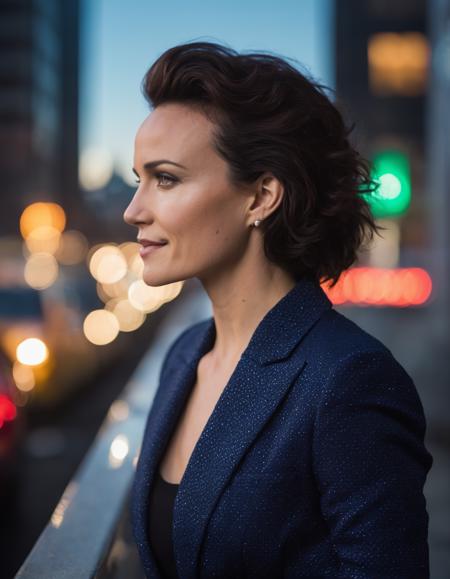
<point>136,266</point>
<point>95,168</point>
<point>73,248</point>
<point>119,410</point>
<point>397,287</point>
<point>23,377</point>
<point>106,291</point>
<point>7,409</point>
<point>41,270</point>
<point>59,513</point>
<point>118,451</point>
<point>32,352</point>
<point>129,317</point>
<point>390,186</point>
<point>130,250</point>
<point>398,62</point>
<point>108,264</point>
<point>101,327</point>
<point>42,214</point>
<point>148,298</point>
<point>43,239</point>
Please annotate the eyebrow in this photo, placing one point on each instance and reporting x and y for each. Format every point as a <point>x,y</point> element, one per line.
<point>151,164</point>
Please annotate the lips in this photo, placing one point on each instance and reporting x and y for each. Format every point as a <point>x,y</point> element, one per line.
<point>149,247</point>
<point>147,243</point>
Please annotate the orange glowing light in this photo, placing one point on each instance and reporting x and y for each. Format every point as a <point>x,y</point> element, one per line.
<point>398,62</point>
<point>42,215</point>
<point>43,239</point>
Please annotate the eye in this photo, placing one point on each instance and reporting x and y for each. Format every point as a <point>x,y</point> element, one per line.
<point>169,180</point>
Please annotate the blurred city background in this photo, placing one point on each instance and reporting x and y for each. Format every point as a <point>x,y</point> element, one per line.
<point>76,319</point>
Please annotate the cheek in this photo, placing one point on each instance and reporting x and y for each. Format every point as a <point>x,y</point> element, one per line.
<point>199,233</point>
<point>214,232</point>
<point>204,222</point>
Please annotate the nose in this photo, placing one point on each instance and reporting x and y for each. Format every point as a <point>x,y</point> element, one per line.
<point>127,215</point>
<point>133,214</point>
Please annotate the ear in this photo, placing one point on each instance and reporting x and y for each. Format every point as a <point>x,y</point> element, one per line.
<point>267,195</point>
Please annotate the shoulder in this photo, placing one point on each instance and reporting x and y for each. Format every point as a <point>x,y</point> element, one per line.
<point>343,336</point>
<point>344,361</point>
<point>336,341</point>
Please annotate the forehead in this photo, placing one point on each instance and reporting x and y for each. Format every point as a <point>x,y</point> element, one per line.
<point>173,131</point>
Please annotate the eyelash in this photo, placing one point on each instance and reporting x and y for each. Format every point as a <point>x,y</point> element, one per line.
<point>165,176</point>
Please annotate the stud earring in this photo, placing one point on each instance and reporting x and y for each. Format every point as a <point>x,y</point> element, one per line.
<point>257,222</point>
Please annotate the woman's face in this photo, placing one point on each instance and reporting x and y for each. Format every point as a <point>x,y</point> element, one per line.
<point>191,205</point>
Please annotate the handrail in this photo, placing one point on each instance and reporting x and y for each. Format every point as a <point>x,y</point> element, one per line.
<point>88,534</point>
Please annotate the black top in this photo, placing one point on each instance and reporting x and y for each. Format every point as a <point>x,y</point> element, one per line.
<point>160,515</point>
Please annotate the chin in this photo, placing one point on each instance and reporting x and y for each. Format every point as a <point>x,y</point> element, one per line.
<point>153,279</point>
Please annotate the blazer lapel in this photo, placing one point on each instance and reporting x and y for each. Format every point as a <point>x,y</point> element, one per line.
<point>261,380</point>
<point>160,424</point>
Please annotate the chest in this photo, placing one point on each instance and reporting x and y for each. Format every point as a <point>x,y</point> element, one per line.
<point>208,387</point>
<point>270,502</point>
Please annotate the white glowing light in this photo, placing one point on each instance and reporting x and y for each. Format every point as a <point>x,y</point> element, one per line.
<point>148,298</point>
<point>95,168</point>
<point>108,264</point>
<point>129,317</point>
<point>101,327</point>
<point>32,352</point>
<point>118,451</point>
<point>119,410</point>
<point>41,270</point>
<point>390,186</point>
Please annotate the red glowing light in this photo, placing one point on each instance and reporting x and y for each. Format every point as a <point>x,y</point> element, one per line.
<point>401,287</point>
<point>7,409</point>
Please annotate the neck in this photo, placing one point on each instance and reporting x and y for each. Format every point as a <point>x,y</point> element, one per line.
<point>240,300</point>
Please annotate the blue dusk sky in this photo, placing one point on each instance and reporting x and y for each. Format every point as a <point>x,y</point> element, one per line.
<point>120,40</point>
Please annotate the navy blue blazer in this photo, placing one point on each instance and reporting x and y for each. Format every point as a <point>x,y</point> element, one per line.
<point>312,463</point>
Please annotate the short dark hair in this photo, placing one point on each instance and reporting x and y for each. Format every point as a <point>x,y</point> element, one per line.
<point>271,117</point>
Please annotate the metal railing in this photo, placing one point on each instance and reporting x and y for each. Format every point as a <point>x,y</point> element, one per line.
<point>89,532</point>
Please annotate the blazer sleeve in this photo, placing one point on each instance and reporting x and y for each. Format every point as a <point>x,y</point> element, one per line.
<point>371,464</point>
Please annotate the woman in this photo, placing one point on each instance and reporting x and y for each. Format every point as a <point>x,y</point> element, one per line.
<point>287,440</point>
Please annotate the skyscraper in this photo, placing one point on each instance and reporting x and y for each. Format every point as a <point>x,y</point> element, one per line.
<point>38,106</point>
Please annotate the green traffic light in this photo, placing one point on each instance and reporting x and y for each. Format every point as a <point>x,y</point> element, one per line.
<point>391,171</point>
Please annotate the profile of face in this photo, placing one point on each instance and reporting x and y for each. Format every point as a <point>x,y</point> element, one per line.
<point>186,199</point>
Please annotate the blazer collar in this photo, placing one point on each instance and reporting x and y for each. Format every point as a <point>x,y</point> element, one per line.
<point>287,322</point>
<point>281,329</point>
<point>223,442</point>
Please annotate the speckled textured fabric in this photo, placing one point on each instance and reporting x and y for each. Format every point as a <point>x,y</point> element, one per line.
<point>312,464</point>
